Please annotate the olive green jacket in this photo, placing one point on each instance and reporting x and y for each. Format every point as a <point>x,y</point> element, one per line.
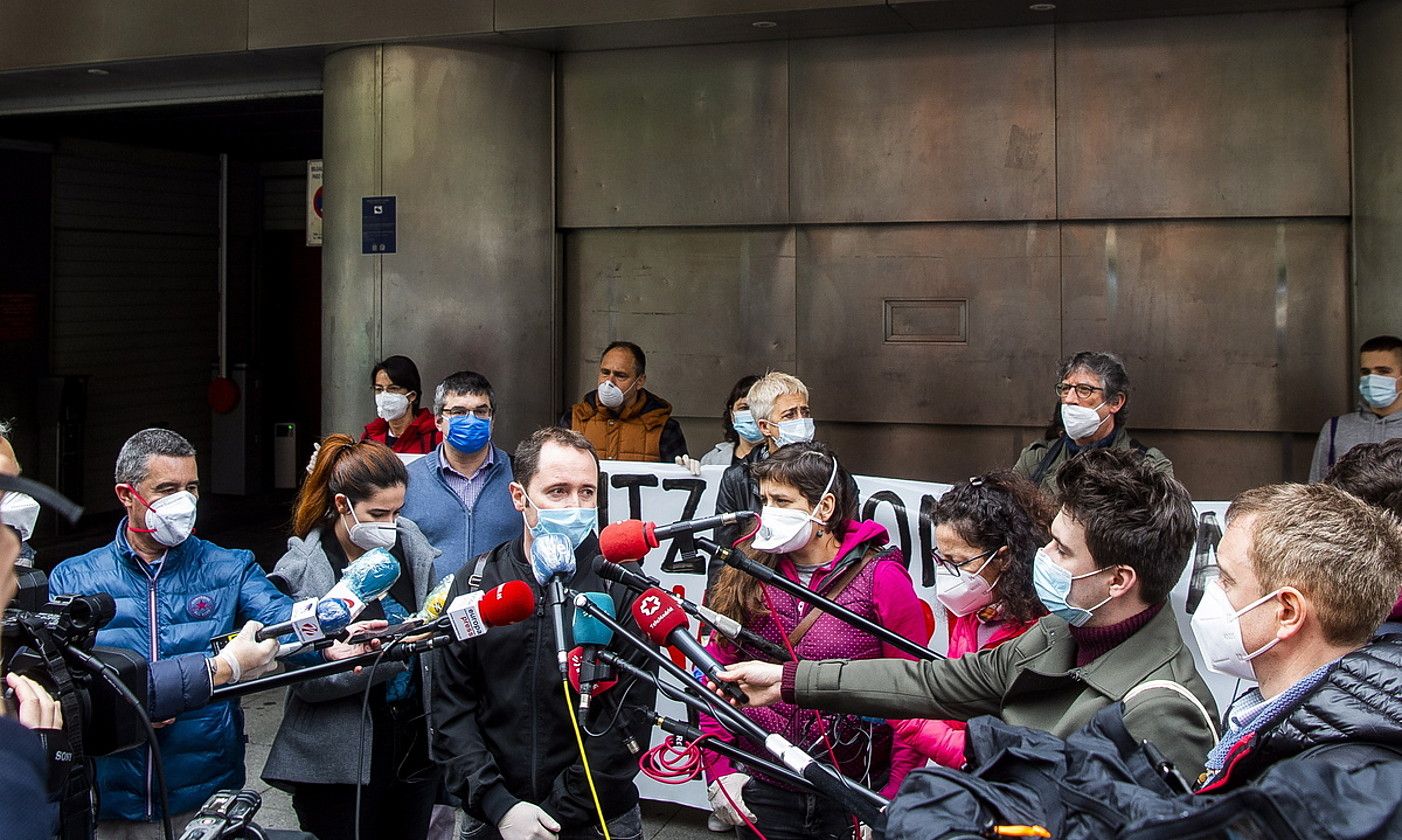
<point>1031,458</point>
<point>1033,681</point>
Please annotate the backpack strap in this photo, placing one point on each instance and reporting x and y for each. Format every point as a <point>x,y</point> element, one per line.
<point>1333,433</point>
<point>1052,451</point>
<point>1138,447</point>
<point>474,580</point>
<point>1170,685</point>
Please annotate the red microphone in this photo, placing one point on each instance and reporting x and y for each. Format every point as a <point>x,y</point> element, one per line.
<point>631,539</point>
<point>661,619</point>
<point>575,662</point>
<point>470,614</point>
<point>508,603</point>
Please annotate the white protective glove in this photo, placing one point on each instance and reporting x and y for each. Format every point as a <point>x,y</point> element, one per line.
<point>527,821</point>
<point>732,784</point>
<point>246,656</point>
<point>692,465</point>
<point>311,462</point>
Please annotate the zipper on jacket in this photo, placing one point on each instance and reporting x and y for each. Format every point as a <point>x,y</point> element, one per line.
<point>155,651</point>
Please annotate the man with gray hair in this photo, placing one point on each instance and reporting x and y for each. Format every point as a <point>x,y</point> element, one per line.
<point>174,593</point>
<point>779,403</point>
<point>1092,390</point>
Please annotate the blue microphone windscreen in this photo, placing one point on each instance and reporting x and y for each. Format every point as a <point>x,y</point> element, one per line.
<point>552,556</point>
<point>332,615</point>
<point>372,574</point>
<point>588,630</point>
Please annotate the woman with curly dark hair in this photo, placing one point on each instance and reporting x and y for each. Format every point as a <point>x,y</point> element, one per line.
<point>987,530</point>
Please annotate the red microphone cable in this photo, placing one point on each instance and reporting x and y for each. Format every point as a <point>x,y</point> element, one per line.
<point>676,762</point>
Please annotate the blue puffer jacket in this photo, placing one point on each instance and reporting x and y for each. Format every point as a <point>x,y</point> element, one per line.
<point>460,534</point>
<point>199,591</point>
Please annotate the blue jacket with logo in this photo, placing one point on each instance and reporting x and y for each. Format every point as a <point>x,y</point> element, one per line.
<point>198,591</point>
<point>459,533</point>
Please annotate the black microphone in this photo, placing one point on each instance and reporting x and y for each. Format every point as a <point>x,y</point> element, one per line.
<point>723,624</point>
<point>664,623</point>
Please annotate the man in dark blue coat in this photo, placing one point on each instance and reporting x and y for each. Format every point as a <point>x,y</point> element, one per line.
<point>174,592</point>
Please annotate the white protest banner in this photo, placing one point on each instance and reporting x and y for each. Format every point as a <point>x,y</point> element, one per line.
<point>665,493</point>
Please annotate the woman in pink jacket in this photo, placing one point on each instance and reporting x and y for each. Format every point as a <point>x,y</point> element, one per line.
<point>809,532</point>
<point>987,530</point>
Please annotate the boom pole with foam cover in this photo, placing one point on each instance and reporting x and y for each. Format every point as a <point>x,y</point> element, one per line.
<point>628,540</point>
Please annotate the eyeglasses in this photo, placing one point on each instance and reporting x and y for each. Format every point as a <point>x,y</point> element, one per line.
<point>953,566</point>
<point>1085,392</point>
<point>392,389</point>
<point>481,412</point>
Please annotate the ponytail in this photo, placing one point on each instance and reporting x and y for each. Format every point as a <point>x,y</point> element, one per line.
<point>343,466</point>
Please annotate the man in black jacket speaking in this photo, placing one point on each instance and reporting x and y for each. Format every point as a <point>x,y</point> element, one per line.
<point>502,729</point>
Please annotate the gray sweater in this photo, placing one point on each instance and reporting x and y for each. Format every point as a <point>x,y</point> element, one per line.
<point>316,741</point>
<point>1362,426</point>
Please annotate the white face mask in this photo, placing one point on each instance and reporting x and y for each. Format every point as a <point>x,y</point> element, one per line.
<point>171,519</point>
<point>390,406</point>
<point>966,592</point>
<point>1217,628</point>
<point>799,430</point>
<point>369,535</point>
<point>610,395</point>
<point>1081,422</point>
<point>19,511</point>
<point>785,530</point>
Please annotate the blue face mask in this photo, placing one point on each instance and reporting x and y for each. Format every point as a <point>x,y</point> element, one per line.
<point>1378,391</point>
<point>745,426</point>
<point>1053,585</point>
<point>575,524</point>
<point>468,433</point>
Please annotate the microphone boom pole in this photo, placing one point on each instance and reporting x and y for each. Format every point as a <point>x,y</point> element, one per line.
<point>867,804</point>
<point>737,559</point>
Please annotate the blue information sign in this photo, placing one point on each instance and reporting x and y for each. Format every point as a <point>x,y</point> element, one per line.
<point>377,227</point>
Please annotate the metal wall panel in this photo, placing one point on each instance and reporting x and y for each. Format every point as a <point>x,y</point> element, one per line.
<point>930,127</point>
<point>546,14</point>
<point>473,283</point>
<point>1377,176</point>
<point>277,23</point>
<point>708,306</point>
<point>1223,325</point>
<point>1215,466</point>
<point>924,452</point>
<point>1230,115</point>
<point>39,33</point>
<point>678,136</point>
<point>1006,275</point>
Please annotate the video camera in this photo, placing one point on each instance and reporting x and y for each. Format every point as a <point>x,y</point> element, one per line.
<point>39,643</point>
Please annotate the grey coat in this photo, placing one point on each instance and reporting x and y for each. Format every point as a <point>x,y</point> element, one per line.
<point>316,740</point>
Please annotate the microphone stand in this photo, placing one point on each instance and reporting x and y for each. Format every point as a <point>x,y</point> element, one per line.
<point>867,804</point>
<point>641,582</point>
<point>737,559</point>
<point>326,669</point>
<point>557,600</point>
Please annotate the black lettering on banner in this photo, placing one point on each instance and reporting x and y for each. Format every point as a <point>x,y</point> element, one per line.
<point>696,488</point>
<point>927,540</point>
<point>901,516</point>
<point>635,482</point>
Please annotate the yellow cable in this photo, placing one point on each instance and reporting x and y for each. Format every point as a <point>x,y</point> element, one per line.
<point>588,774</point>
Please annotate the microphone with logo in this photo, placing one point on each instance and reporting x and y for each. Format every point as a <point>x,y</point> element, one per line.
<point>366,579</point>
<point>590,634</point>
<point>552,561</point>
<point>471,614</point>
<point>664,623</point>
